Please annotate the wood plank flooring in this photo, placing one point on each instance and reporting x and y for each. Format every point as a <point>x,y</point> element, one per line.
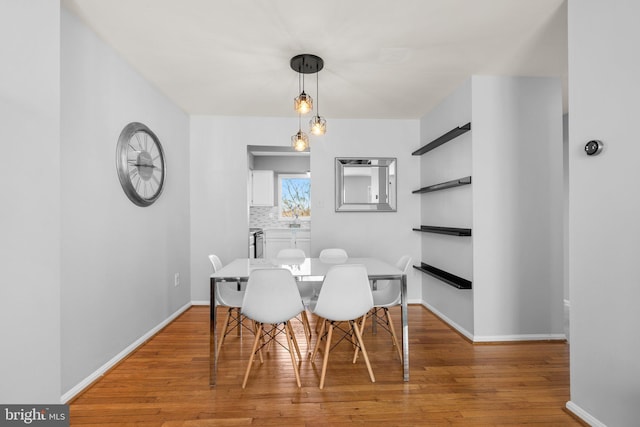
<point>453,382</point>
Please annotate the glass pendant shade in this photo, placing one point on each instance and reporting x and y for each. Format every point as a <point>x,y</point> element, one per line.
<point>318,125</point>
<point>300,141</point>
<point>303,103</point>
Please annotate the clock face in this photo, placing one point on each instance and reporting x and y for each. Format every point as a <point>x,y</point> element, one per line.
<point>140,164</point>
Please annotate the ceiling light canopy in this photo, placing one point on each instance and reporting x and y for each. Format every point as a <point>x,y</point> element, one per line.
<point>306,63</point>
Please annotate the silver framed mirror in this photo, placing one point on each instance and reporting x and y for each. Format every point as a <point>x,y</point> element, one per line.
<point>366,184</point>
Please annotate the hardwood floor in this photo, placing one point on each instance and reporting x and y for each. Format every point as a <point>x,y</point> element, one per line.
<point>453,382</point>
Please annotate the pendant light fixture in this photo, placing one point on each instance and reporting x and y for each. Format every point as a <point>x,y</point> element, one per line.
<point>300,141</point>
<point>318,124</point>
<point>306,64</point>
<point>302,103</point>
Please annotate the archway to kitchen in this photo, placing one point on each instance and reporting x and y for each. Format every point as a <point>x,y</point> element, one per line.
<point>278,200</point>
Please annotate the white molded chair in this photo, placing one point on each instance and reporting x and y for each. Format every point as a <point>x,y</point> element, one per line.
<point>386,294</point>
<point>272,298</point>
<point>345,296</point>
<point>227,294</point>
<point>297,256</point>
<point>333,255</point>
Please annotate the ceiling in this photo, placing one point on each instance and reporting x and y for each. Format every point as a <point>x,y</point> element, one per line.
<point>383,59</point>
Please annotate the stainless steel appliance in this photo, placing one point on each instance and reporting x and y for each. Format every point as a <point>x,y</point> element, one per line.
<point>259,236</point>
<point>252,245</point>
<point>256,243</point>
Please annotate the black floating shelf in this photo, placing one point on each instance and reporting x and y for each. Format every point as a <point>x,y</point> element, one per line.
<point>442,139</point>
<point>452,231</point>
<point>451,279</point>
<point>444,185</point>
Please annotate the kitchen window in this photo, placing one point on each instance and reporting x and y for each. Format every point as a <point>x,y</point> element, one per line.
<point>294,196</point>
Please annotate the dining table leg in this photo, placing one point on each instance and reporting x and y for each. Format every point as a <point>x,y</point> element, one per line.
<point>213,347</point>
<point>405,327</point>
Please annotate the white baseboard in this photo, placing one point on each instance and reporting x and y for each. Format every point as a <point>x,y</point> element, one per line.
<point>519,337</point>
<point>584,415</point>
<point>207,302</point>
<point>82,385</point>
<point>493,338</point>
<point>448,321</point>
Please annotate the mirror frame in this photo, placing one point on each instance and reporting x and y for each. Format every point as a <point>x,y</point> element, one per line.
<point>345,162</point>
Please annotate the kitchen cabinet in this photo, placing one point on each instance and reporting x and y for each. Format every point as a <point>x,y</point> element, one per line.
<point>262,188</point>
<point>276,239</point>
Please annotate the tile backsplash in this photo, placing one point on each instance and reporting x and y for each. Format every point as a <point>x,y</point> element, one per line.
<point>266,216</point>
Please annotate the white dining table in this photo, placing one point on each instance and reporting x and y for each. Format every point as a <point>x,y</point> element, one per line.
<point>305,270</point>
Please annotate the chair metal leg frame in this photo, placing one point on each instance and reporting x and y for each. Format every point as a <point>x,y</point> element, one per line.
<point>271,335</point>
<point>322,335</point>
<point>386,323</point>
<point>359,344</point>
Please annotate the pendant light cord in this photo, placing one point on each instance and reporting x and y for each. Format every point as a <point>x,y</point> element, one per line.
<point>317,94</point>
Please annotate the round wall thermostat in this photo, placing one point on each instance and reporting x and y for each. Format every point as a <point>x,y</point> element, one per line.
<point>593,147</point>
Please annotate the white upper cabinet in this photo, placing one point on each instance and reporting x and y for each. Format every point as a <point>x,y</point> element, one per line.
<point>262,188</point>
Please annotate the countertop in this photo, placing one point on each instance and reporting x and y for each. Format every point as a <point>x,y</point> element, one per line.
<point>288,228</point>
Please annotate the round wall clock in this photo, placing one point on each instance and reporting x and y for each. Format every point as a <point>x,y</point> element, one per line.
<point>140,163</point>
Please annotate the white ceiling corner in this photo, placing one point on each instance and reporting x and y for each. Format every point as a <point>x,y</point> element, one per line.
<point>391,60</point>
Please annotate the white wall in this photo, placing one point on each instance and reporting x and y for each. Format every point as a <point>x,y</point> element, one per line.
<point>30,202</point>
<point>219,210</point>
<point>118,260</point>
<point>218,174</point>
<point>385,235</point>
<point>514,207</point>
<point>517,207</point>
<point>604,211</point>
<point>448,208</point>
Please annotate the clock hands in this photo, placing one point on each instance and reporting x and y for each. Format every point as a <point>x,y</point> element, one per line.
<point>142,165</point>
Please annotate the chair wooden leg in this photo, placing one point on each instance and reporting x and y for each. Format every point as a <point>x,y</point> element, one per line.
<point>354,325</point>
<point>259,335</point>
<point>307,327</point>
<point>364,354</point>
<point>319,322</point>
<point>363,320</point>
<point>315,349</point>
<point>223,333</point>
<point>253,352</point>
<point>394,338</point>
<point>326,355</point>
<point>289,330</point>
<point>291,340</point>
